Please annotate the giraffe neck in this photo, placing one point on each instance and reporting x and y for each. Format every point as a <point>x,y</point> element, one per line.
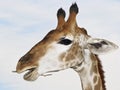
<point>91,73</point>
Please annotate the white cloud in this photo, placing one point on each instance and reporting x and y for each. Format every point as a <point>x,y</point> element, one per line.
<point>30,20</point>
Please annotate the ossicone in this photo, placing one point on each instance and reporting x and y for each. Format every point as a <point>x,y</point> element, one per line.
<point>61,12</point>
<point>74,8</point>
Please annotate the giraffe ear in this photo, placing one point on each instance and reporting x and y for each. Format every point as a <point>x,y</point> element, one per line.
<point>100,46</point>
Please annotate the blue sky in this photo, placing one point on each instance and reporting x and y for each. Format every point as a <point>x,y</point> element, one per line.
<point>25,22</point>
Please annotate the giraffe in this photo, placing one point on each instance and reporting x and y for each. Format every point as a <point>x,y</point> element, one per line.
<point>62,48</point>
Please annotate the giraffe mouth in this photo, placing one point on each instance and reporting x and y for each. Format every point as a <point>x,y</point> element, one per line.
<point>31,75</point>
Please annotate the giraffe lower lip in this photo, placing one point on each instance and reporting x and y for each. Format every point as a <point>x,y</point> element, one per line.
<point>32,74</point>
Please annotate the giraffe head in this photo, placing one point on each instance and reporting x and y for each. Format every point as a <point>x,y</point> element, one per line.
<point>56,51</point>
<point>60,49</point>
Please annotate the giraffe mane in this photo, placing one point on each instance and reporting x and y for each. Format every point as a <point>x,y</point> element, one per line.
<point>101,72</point>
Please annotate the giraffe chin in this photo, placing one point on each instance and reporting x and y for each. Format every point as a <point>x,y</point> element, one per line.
<point>31,75</point>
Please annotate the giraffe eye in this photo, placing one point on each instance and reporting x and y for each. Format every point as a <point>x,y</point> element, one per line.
<point>64,41</point>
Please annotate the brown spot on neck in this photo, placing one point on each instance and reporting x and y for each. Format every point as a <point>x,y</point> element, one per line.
<point>95,79</point>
